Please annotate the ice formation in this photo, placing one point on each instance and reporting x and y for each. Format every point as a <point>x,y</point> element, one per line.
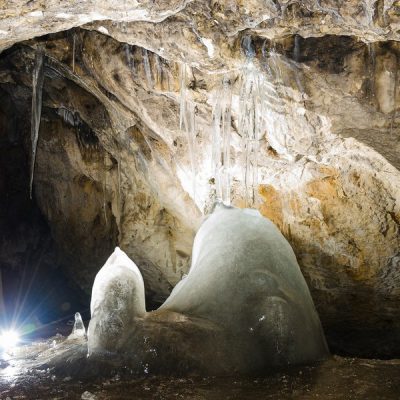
<point>79,329</point>
<point>187,122</point>
<point>244,276</point>
<point>221,142</point>
<point>117,300</point>
<point>244,306</point>
<point>251,120</point>
<point>147,69</point>
<point>37,85</point>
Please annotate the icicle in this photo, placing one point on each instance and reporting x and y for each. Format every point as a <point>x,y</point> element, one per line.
<point>296,49</point>
<point>68,116</point>
<point>387,5</point>
<point>221,142</point>
<point>105,193</point>
<point>2,305</point>
<point>251,121</point>
<point>394,111</point>
<point>159,77</point>
<point>187,122</point>
<point>73,52</point>
<point>130,60</point>
<point>119,190</point>
<point>147,69</point>
<point>37,86</point>
<point>79,327</point>
<point>369,8</point>
<point>372,65</point>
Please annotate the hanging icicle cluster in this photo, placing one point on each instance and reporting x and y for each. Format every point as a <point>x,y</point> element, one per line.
<point>152,69</point>
<point>37,86</point>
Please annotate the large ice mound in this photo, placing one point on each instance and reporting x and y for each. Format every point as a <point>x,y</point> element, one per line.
<point>245,276</point>
<point>244,306</point>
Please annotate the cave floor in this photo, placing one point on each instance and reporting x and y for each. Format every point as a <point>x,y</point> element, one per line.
<point>336,378</point>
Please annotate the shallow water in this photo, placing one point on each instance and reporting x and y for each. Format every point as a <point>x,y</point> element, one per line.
<point>25,375</point>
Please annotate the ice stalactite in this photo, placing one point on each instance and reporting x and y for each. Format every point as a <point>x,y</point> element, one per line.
<point>369,8</point>
<point>119,192</point>
<point>221,142</point>
<point>296,49</point>
<point>73,52</point>
<point>187,123</point>
<point>105,194</point>
<point>147,69</point>
<point>371,67</point>
<point>37,86</point>
<point>159,71</point>
<point>387,5</point>
<point>130,60</point>
<point>251,121</point>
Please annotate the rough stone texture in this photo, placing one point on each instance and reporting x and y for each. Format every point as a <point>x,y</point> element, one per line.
<point>328,165</point>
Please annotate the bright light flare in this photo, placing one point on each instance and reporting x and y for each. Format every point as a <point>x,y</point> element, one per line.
<point>9,339</point>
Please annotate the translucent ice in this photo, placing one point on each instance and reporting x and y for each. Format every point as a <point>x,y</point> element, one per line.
<point>244,276</point>
<point>117,300</point>
<point>187,121</point>
<point>147,69</point>
<point>221,141</point>
<point>244,306</point>
<point>79,329</point>
<point>37,85</point>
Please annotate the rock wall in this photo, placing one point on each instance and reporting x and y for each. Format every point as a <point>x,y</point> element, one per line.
<point>114,167</point>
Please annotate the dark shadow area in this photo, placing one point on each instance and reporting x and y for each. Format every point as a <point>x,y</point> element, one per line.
<point>35,291</point>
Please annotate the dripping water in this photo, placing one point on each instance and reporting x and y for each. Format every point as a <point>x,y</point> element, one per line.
<point>37,86</point>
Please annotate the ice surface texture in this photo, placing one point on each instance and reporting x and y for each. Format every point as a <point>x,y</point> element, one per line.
<point>117,300</point>
<point>79,329</point>
<point>244,280</point>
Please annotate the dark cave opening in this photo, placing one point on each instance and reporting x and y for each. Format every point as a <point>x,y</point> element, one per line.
<point>36,293</point>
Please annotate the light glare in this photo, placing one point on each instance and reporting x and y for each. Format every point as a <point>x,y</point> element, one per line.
<point>9,339</point>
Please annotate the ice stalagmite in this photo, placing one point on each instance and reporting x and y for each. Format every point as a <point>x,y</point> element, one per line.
<point>243,307</point>
<point>221,142</point>
<point>37,85</point>
<point>117,299</point>
<point>79,328</point>
<point>244,276</point>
